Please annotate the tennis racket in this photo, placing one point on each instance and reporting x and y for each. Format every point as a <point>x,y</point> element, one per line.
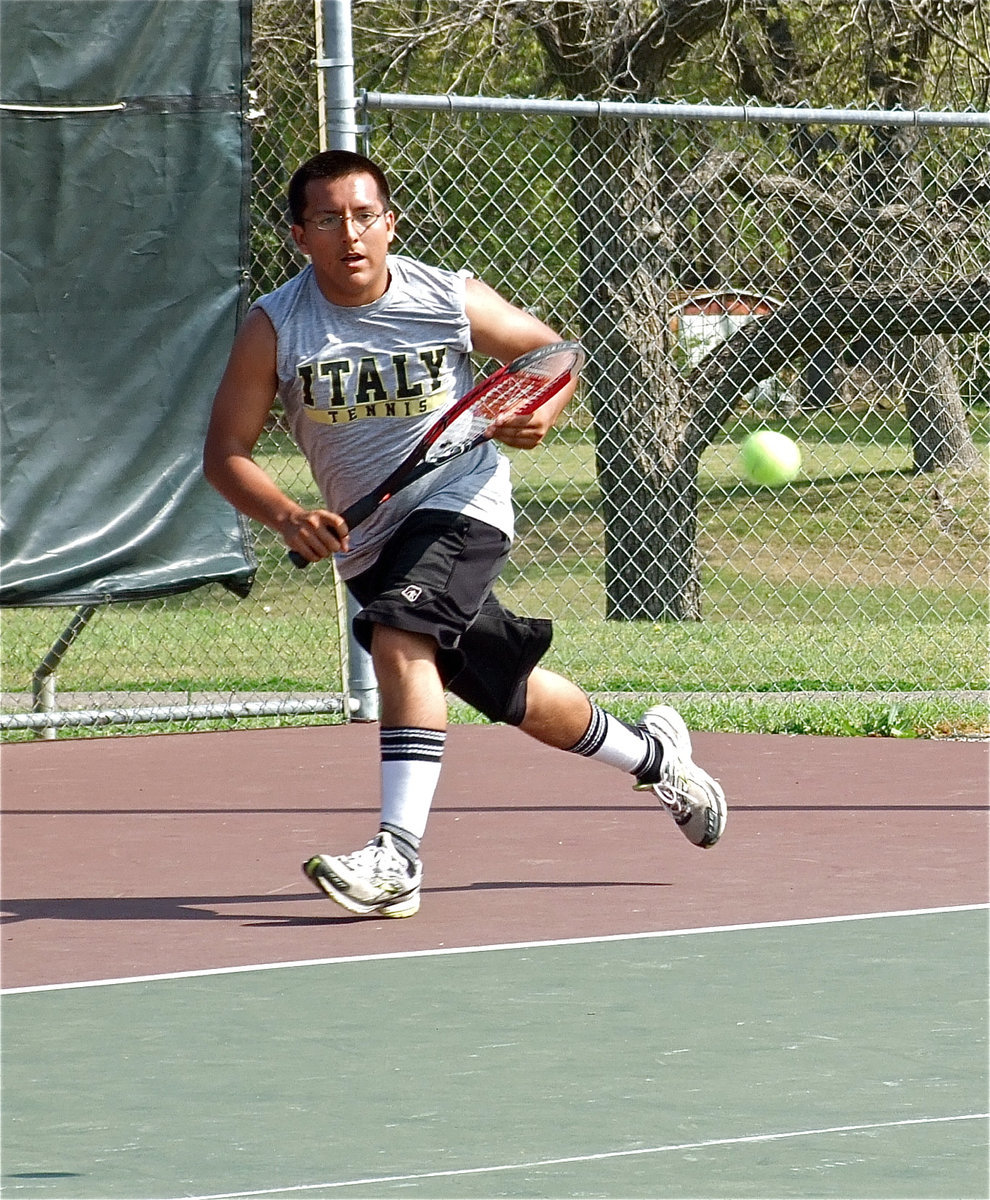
<point>521,386</point>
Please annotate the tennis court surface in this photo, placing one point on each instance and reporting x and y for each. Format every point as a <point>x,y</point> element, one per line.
<point>586,1005</point>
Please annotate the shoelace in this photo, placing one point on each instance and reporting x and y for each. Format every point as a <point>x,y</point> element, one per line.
<point>673,798</point>
<point>372,857</point>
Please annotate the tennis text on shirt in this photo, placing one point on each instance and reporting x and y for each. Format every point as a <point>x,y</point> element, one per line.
<point>340,390</point>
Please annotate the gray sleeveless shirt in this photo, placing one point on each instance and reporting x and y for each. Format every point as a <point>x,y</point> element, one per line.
<point>360,386</point>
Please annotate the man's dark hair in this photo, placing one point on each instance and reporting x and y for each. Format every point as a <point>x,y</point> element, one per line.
<point>332,164</point>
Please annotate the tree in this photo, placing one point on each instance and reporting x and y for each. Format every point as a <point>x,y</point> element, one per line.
<point>898,53</point>
<point>636,205</point>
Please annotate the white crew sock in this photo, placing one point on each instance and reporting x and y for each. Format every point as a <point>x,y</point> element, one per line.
<point>609,740</point>
<point>410,770</point>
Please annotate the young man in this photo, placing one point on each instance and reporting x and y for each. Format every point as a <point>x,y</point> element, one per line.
<point>365,349</point>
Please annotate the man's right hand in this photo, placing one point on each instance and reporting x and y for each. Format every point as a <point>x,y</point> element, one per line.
<point>314,534</point>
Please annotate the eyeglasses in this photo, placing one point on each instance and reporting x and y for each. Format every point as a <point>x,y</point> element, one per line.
<point>331,221</point>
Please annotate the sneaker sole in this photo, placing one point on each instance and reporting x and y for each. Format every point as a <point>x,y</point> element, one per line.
<point>406,904</point>
<point>715,813</point>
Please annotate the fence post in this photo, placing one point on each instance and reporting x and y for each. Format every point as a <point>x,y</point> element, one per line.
<point>43,679</point>
<point>339,130</point>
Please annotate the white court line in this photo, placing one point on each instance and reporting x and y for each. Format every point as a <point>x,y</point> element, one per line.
<point>588,1158</point>
<point>446,950</point>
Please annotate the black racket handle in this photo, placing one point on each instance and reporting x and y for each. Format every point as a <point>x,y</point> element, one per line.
<point>297,559</point>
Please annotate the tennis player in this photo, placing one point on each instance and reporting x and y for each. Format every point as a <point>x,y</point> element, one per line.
<point>365,348</point>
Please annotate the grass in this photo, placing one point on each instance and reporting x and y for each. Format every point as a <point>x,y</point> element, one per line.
<point>850,602</point>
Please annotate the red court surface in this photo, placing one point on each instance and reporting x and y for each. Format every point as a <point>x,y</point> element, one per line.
<point>144,855</point>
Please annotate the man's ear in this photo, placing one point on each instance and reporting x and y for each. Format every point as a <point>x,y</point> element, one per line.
<point>299,237</point>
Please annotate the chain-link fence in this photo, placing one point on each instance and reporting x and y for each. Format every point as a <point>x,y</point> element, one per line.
<point>822,275</point>
<point>849,263</point>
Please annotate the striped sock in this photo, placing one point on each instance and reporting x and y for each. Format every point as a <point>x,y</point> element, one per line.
<point>410,766</point>
<point>621,745</point>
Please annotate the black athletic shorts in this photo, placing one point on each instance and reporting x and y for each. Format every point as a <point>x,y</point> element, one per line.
<point>435,576</point>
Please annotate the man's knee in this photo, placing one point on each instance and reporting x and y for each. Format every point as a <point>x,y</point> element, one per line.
<point>393,648</point>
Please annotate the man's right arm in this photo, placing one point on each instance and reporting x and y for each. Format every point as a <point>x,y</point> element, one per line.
<point>240,408</point>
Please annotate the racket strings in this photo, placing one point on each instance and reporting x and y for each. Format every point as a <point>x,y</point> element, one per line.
<point>521,389</point>
<point>514,392</point>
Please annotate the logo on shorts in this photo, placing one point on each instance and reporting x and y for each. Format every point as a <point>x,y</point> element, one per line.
<point>412,593</point>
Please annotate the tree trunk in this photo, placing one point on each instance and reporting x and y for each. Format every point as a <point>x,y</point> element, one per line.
<point>647,481</point>
<point>934,407</point>
<point>818,378</point>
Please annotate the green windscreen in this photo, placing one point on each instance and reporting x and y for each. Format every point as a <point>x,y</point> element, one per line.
<point>124,240</point>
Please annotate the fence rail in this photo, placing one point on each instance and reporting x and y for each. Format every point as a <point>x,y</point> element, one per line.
<point>678,111</point>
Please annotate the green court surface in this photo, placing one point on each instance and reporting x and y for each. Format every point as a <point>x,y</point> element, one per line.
<point>837,1058</point>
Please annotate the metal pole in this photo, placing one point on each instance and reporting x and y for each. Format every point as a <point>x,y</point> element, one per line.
<point>337,66</point>
<point>43,679</point>
<point>336,69</point>
<point>746,114</point>
<point>47,722</point>
<point>321,79</point>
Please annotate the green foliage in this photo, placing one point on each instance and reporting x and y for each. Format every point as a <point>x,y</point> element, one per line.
<point>822,53</point>
<point>284,129</point>
<point>468,48</point>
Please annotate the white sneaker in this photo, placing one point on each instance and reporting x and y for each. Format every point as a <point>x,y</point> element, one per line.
<point>375,880</point>
<point>690,795</point>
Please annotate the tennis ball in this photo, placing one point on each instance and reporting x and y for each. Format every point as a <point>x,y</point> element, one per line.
<point>769,458</point>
